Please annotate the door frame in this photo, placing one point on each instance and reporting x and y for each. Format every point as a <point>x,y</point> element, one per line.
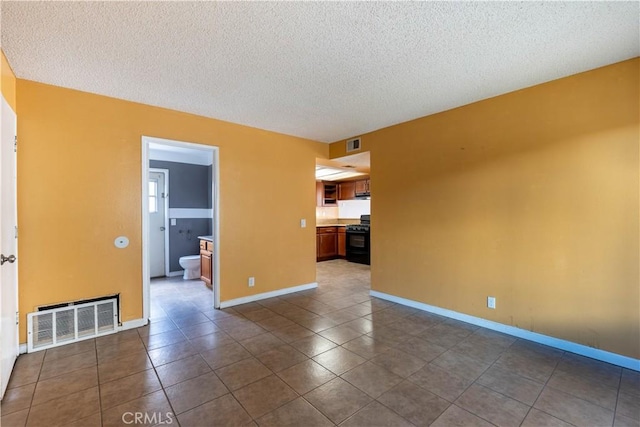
<point>165,190</point>
<point>215,226</point>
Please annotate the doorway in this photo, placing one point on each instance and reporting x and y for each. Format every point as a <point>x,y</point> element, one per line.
<point>182,219</point>
<point>9,245</point>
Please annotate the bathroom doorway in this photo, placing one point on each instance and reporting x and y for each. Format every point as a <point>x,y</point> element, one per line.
<point>190,199</point>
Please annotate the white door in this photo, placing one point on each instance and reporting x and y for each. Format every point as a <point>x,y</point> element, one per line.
<point>8,245</point>
<point>157,226</point>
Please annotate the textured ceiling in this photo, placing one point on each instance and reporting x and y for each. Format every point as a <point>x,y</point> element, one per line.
<point>320,70</point>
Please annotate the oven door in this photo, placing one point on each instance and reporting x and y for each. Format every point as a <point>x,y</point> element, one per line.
<point>358,250</point>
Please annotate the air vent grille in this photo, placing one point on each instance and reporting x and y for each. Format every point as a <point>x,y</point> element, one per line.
<point>353,145</point>
<point>58,326</point>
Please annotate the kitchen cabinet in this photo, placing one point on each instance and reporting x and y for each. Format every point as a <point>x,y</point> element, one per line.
<point>342,242</point>
<point>347,190</point>
<point>326,243</point>
<point>326,194</point>
<point>331,243</point>
<point>362,187</point>
<point>206,266</point>
<point>330,194</point>
<point>319,193</point>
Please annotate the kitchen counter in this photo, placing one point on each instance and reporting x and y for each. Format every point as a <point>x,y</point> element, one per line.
<point>207,238</point>
<point>331,225</point>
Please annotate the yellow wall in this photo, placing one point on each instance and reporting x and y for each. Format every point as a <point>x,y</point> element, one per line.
<point>79,177</point>
<point>7,81</point>
<point>531,197</point>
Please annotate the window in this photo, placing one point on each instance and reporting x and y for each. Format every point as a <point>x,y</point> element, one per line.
<point>153,195</point>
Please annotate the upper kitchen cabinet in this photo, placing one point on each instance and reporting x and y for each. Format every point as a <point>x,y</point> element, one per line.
<point>347,190</point>
<point>326,193</point>
<point>362,188</point>
<point>319,193</point>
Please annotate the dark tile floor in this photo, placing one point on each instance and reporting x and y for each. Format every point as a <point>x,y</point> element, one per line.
<point>329,356</point>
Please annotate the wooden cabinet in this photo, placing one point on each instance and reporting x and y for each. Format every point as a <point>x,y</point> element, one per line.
<point>362,187</point>
<point>347,190</point>
<point>319,193</point>
<point>326,194</point>
<point>206,265</point>
<point>330,194</point>
<point>326,243</point>
<point>342,242</point>
<point>331,243</point>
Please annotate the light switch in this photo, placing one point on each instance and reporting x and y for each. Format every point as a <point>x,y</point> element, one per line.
<point>173,221</point>
<point>303,223</point>
<point>491,302</point>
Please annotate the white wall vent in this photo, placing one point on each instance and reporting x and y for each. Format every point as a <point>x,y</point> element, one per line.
<point>71,323</point>
<point>353,144</point>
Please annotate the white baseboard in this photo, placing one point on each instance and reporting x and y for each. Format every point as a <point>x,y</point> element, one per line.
<point>132,324</point>
<point>175,273</point>
<point>583,350</point>
<point>265,295</point>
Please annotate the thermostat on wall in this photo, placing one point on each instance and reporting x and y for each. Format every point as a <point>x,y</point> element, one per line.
<point>121,242</point>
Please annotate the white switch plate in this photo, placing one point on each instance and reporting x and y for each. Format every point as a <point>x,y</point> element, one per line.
<point>491,302</point>
<point>252,281</point>
<point>303,223</point>
<point>173,221</point>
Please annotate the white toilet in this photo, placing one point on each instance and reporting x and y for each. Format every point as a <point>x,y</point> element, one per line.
<point>191,265</point>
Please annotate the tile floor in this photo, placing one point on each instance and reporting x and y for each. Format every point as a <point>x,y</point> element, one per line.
<point>331,356</point>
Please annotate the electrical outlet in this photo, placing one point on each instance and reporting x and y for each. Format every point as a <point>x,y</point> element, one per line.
<point>491,302</point>
<point>303,223</point>
<point>252,281</point>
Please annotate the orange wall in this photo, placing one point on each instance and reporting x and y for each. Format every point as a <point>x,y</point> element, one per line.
<point>531,197</point>
<point>79,177</point>
<point>7,81</point>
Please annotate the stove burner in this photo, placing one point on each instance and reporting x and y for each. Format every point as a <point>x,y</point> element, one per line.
<point>365,221</point>
<point>358,227</point>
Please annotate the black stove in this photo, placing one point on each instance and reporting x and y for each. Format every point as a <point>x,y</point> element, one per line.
<point>357,227</point>
<point>365,223</point>
<point>358,241</point>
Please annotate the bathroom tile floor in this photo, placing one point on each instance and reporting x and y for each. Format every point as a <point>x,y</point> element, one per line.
<point>329,356</point>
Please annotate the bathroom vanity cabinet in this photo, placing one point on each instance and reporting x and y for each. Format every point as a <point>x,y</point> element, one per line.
<point>206,266</point>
